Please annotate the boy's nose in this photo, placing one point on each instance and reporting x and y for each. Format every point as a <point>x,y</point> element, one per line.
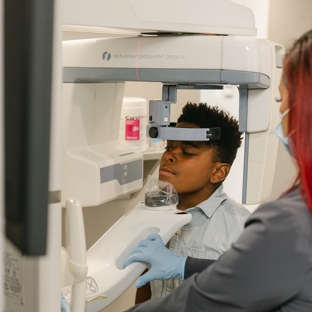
<point>170,157</point>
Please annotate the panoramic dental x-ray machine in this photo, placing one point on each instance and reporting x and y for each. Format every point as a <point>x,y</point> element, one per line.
<point>190,50</point>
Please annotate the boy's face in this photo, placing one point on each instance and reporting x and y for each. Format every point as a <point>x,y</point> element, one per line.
<point>189,167</point>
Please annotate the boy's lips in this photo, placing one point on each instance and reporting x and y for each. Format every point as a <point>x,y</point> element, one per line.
<point>166,172</point>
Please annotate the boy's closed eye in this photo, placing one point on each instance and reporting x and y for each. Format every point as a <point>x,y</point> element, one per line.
<point>185,149</point>
<point>190,149</point>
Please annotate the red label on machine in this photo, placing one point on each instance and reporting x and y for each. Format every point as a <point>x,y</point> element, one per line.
<point>132,128</point>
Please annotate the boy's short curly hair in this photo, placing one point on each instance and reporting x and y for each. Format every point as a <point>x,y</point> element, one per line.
<point>205,116</point>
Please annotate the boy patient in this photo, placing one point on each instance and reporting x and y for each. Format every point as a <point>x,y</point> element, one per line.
<point>196,170</point>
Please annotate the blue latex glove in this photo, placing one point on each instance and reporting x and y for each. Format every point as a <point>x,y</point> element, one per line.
<point>64,304</point>
<point>165,264</point>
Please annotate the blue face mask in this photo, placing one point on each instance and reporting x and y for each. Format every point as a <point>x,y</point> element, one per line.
<point>280,133</point>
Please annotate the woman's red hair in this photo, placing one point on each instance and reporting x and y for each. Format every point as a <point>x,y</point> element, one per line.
<point>298,74</point>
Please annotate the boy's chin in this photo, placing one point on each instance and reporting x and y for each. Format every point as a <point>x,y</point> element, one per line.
<point>162,178</point>
<point>166,179</point>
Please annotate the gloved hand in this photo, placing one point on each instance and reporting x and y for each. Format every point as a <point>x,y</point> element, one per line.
<point>165,264</point>
<point>64,304</point>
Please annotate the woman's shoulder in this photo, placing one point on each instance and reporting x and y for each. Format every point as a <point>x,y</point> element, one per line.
<point>288,212</point>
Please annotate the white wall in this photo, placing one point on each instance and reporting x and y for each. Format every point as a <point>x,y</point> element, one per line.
<point>289,19</point>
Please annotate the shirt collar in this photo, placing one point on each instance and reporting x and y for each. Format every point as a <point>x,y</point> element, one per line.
<point>210,205</point>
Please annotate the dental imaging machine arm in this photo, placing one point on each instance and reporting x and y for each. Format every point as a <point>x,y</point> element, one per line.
<point>159,118</point>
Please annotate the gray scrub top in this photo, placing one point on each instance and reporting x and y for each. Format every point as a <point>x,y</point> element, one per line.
<point>269,268</point>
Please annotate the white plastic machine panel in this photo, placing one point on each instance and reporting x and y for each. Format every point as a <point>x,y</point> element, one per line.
<point>107,280</point>
<point>246,54</point>
<point>197,16</point>
<point>255,56</point>
<point>196,52</point>
<point>197,59</point>
<point>96,169</point>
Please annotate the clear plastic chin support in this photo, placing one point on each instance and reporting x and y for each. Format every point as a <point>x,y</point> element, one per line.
<point>160,195</point>
<point>107,279</point>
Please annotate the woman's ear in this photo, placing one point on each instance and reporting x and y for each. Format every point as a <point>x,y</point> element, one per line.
<point>220,172</point>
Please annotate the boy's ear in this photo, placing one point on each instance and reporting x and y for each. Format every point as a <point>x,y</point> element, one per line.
<point>220,172</point>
